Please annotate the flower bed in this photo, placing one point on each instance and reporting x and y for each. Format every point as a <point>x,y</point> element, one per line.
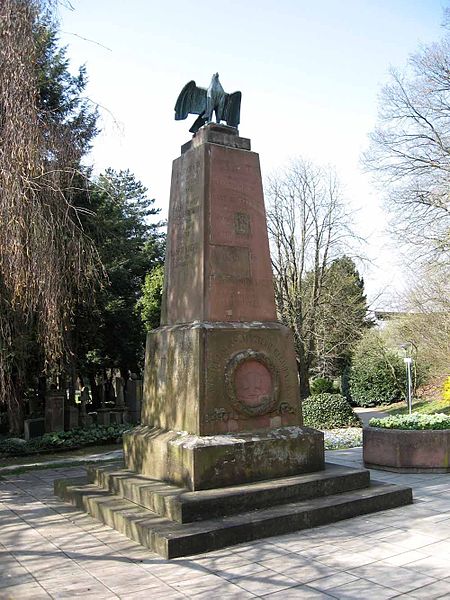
<point>62,440</point>
<point>408,443</point>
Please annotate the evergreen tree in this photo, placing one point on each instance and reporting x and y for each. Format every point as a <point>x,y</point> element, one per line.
<point>111,335</point>
<point>342,318</point>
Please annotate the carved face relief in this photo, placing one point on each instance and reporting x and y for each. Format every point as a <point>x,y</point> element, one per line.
<point>252,383</point>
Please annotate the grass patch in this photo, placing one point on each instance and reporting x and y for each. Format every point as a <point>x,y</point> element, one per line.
<point>424,407</point>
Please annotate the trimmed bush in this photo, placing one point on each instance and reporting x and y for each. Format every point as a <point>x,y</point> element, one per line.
<point>321,385</point>
<point>416,421</point>
<point>329,411</point>
<point>63,440</point>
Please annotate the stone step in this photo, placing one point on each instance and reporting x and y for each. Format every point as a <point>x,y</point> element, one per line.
<point>171,540</point>
<point>184,506</point>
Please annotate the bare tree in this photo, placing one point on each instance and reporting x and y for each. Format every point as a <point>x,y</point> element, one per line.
<point>426,321</point>
<point>309,227</point>
<point>410,149</point>
<point>46,261</point>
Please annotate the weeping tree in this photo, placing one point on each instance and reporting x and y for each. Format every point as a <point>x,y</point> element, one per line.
<point>46,260</point>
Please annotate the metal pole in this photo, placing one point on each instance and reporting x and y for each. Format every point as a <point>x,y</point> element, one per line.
<point>408,361</point>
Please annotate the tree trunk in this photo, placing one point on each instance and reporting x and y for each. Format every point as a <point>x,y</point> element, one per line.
<point>15,410</point>
<point>303,375</point>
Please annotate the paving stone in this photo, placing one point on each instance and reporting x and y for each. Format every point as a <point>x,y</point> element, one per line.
<point>435,566</point>
<point>401,579</point>
<point>164,592</point>
<point>405,558</point>
<point>300,592</point>
<point>265,582</point>
<point>73,555</point>
<point>309,572</point>
<point>331,581</point>
<point>439,589</point>
<point>24,591</point>
<point>362,589</point>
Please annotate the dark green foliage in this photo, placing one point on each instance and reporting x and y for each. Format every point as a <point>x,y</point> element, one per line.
<point>322,385</point>
<point>112,334</point>
<point>341,318</point>
<point>329,411</point>
<point>63,440</point>
<point>377,374</point>
<point>415,422</point>
<point>60,94</point>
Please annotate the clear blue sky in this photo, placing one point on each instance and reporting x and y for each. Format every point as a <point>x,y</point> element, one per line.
<point>310,73</point>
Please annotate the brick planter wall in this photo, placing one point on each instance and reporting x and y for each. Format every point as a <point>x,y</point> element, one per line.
<point>407,451</point>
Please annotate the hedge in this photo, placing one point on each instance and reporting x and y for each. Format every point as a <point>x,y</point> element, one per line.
<point>329,411</point>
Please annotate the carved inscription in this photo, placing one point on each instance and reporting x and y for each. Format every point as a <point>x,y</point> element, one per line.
<point>185,219</point>
<point>230,262</point>
<point>286,408</point>
<point>242,223</point>
<point>218,414</point>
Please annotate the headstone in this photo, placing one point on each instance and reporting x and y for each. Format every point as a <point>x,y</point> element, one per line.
<point>104,416</point>
<point>221,401</point>
<point>133,396</point>
<point>71,416</point>
<point>54,411</point>
<point>119,385</point>
<point>34,428</point>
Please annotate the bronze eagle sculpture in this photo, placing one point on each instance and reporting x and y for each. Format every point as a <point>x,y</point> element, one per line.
<point>203,102</point>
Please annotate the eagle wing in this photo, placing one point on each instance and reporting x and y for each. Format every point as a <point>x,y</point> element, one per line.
<point>232,109</point>
<point>192,99</point>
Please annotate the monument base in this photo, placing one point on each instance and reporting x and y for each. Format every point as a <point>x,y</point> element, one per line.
<point>205,462</point>
<point>173,521</point>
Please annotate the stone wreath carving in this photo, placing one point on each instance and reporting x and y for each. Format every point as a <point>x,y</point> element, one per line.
<point>252,383</point>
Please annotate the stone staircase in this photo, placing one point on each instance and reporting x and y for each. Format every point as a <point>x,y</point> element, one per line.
<point>174,521</point>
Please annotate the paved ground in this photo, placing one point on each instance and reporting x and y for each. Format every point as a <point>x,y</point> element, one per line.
<point>365,414</point>
<point>50,550</point>
<point>93,458</point>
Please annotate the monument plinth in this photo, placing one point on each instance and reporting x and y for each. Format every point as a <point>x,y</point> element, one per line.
<point>221,385</point>
<point>221,455</point>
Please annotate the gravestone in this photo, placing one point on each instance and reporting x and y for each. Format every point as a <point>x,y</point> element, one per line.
<point>71,416</point>
<point>54,411</point>
<point>221,455</point>
<point>133,397</point>
<point>33,428</point>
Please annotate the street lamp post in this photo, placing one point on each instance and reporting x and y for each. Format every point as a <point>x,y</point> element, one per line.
<point>408,364</point>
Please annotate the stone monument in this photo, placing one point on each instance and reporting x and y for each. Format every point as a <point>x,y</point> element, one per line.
<point>220,385</point>
<point>221,431</point>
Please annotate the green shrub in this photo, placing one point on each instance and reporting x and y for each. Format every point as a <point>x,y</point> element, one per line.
<point>329,411</point>
<point>415,421</point>
<point>62,440</point>
<point>321,385</point>
<point>377,374</point>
